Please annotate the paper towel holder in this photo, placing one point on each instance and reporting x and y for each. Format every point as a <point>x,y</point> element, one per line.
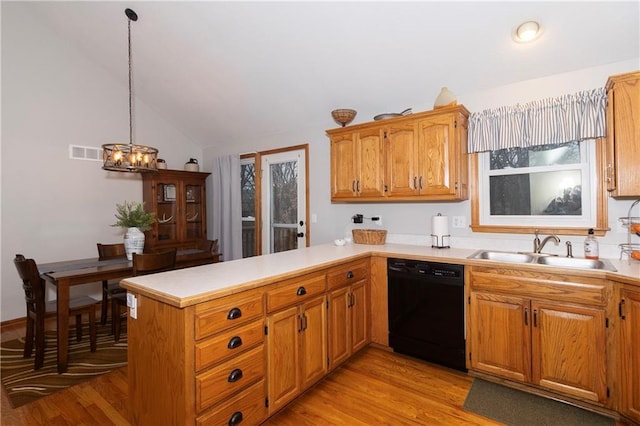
<point>440,241</point>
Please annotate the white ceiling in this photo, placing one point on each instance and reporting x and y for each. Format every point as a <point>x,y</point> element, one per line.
<point>235,71</point>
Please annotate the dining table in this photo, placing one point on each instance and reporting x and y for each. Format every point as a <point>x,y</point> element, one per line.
<point>66,274</point>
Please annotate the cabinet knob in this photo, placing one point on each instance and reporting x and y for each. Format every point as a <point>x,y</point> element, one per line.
<point>234,342</point>
<point>301,291</point>
<point>235,375</point>
<point>350,274</point>
<point>234,313</point>
<point>236,418</point>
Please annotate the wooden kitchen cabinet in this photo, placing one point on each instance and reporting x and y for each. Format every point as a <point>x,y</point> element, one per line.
<point>418,157</point>
<point>296,338</point>
<point>178,199</point>
<point>541,329</point>
<point>623,135</point>
<point>630,353</point>
<point>424,158</point>
<point>348,299</point>
<point>356,164</point>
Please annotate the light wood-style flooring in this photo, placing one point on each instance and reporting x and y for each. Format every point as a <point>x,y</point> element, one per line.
<point>376,387</point>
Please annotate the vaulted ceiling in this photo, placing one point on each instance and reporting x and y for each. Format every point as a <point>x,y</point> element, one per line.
<point>235,71</point>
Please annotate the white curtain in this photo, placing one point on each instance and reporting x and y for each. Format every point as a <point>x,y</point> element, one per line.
<point>567,118</point>
<point>226,217</point>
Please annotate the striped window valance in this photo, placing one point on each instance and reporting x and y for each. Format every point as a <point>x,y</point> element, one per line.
<point>575,117</point>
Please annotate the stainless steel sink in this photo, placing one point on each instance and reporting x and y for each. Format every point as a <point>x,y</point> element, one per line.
<point>503,256</point>
<point>543,259</point>
<point>575,262</point>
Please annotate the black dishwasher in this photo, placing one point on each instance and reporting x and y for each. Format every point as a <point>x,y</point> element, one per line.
<point>426,311</point>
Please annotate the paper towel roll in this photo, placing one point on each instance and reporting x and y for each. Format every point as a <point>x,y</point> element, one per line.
<point>439,225</point>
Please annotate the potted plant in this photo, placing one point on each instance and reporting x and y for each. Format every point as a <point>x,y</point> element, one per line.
<point>132,216</point>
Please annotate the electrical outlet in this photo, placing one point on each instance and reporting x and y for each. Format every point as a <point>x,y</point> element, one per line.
<point>357,218</point>
<point>377,220</point>
<point>458,222</point>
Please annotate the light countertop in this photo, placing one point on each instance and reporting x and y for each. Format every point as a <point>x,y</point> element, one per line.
<point>185,287</point>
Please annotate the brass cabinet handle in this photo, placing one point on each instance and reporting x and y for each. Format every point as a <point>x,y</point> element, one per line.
<point>420,182</point>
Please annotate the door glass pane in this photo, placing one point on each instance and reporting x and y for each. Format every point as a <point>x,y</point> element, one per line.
<point>248,195</point>
<point>167,212</point>
<point>284,206</point>
<point>193,203</point>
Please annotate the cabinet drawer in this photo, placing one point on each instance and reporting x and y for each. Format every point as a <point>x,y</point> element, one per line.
<point>295,291</point>
<point>230,311</point>
<point>347,274</point>
<point>230,377</point>
<point>246,408</point>
<point>229,343</point>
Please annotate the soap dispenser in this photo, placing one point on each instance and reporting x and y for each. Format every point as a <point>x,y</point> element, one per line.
<point>591,250</point>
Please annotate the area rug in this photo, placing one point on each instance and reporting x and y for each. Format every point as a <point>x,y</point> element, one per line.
<point>517,408</point>
<point>24,384</point>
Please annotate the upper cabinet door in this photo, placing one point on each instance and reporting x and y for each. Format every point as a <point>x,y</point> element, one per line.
<point>435,153</point>
<point>400,150</point>
<point>623,135</point>
<point>370,163</point>
<point>343,166</point>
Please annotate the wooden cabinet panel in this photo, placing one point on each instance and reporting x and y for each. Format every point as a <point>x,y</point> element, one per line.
<point>229,377</point>
<point>343,166</point>
<point>623,134</point>
<point>247,408</point>
<point>499,337</point>
<point>314,341</point>
<point>369,181</point>
<point>347,274</point>
<point>178,198</point>
<point>401,169</point>
<point>283,345</point>
<point>416,157</point>
<point>541,328</point>
<point>227,312</point>
<point>339,326</point>
<point>227,344</point>
<point>359,316</point>
<point>630,353</point>
<point>297,350</point>
<point>569,353</point>
<point>295,291</point>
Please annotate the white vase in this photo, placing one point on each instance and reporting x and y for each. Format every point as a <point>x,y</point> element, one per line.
<point>133,242</point>
<point>445,98</point>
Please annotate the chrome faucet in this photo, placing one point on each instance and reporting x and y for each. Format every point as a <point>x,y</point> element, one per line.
<point>538,246</point>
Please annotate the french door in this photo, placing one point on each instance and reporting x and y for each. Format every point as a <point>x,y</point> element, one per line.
<point>284,203</point>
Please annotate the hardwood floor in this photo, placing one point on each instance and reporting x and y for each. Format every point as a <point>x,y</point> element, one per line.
<point>376,387</point>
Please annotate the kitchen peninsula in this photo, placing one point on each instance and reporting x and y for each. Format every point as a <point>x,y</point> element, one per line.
<point>238,340</point>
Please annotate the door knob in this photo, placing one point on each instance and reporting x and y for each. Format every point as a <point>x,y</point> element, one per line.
<point>300,234</point>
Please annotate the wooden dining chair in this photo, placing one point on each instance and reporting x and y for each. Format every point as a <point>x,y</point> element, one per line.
<point>106,252</point>
<point>38,309</point>
<point>143,264</point>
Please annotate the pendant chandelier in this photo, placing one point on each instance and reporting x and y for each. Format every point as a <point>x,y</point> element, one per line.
<point>120,157</point>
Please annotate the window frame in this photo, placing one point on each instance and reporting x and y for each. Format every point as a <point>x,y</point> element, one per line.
<point>598,190</point>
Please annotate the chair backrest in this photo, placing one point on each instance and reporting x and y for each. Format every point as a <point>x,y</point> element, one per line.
<point>32,284</point>
<point>111,251</point>
<point>150,263</point>
<point>210,246</point>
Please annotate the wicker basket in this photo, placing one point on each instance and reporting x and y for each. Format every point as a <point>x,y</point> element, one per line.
<point>369,236</point>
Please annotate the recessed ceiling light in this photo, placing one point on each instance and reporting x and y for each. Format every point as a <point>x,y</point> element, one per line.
<point>527,32</point>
